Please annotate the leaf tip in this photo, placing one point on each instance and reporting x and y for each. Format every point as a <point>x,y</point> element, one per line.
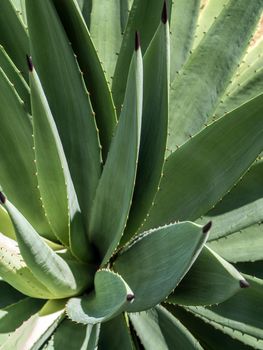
<point>207,227</point>
<point>137,41</point>
<point>130,298</point>
<point>2,198</point>
<point>29,63</point>
<point>244,284</point>
<point>164,13</point>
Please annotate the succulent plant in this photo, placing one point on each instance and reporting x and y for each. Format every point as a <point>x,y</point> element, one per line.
<point>115,156</point>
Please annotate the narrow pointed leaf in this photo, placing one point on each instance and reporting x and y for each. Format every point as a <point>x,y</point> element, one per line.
<point>207,335</point>
<point>116,184</point>
<point>17,157</point>
<point>63,278</point>
<point>158,329</point>
<point>71,109</point>
<point>14,315</point>
<point>218,165</point>
<point>70,335</point>
<point>183,24</point>
<point>54,179</point>
<point>244,245</point>
<point>172,249</point>
<point>38,328</point>
<point>240,316</point>
<point>105,30</point>
<point>110,297</point>
<point>210,280</point>
<point>13,36</point>
<point>119,327</point>
<point>154,127</point>
<point>241,207</point>
<point>90,65</point>
<point>144,17</point>
<point>15,271</point>
<point>195,95</point>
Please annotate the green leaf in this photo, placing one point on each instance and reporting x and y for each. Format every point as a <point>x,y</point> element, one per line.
<point>172,249</point>
<point>158,329</point>
<point>144,17</point>
<point>6,226</point>
<point>208,165</point>
<point>252,268</point>
<point>241,207</point>
<point>13,36</point>
<point>15,271</point>
<point>208,336</point>
<point>56,66</point>
<point>61,276</point>
<point>14,315</point>
<point>8,295</point>
<point>116,184</point>
<point>54,179</point>
<point>240,317</point>
<point>210,280</point>
<point>154,127</point>
<point>108,300</point>
<point>209,11</point>
<point>70,335</point>
<point>245,245</point>
<point>93,74</point>
<point>15,77</point>
<point>17,157</point>
<point>105,30</point>
<point>38,328</point>
<point>196,93</point>
<point>183,24</point>
<point>115,332</point>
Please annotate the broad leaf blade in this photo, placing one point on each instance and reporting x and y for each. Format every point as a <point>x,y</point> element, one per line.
<point>211,280</point>
<point>57,68</point>
<point>116,184</point>
<point>208,165</point>
<point>110,297</point>
<point>154,127</point>
<point>195,95</point>
<point>172,249</point>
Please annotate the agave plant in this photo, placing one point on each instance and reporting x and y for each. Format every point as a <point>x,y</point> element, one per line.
<point>115,157</point>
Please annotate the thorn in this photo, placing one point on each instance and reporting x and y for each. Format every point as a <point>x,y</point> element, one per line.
<point>137,41</point>
<point>130,297</point>
<point>29,63</point>
<point>207,227</point>
<point>164,13</point>
<point>244,284</point>
<point>2,198</point>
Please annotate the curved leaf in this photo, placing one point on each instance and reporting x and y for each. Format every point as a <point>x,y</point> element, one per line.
<point>211,280</point>
<point>9,295</point>
<point>62,277</point>
<point>108,300</point>
<point>142,263</point>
